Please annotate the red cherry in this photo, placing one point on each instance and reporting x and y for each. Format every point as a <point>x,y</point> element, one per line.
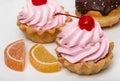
<point>39,2</point>
<point>86,22</point>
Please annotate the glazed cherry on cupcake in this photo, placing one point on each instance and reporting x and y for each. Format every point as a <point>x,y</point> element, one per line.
<point>39,2</point>
<point>85,22</point>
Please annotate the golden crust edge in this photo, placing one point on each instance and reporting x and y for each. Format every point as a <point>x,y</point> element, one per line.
<point>105,21</point>
<point>88,68</point>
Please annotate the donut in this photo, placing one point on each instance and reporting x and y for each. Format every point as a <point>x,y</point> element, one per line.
<point>106,12</point>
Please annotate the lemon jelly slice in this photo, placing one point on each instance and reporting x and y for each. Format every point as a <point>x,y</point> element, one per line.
<point>42,60</point>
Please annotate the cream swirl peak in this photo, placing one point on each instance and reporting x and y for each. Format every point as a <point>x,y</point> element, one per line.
<point>42,17</point>
<point>80,45</point>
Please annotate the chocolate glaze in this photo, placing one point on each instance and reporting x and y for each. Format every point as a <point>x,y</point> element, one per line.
<point>103,6</point>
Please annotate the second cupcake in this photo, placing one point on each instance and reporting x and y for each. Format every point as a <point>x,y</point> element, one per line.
<point>37,20</point>
<point>83,48</point>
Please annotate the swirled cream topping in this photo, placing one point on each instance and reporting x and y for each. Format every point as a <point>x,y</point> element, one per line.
<point>78,45</point>
<point>42,17</point>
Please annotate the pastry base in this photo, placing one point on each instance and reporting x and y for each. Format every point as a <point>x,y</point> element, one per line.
<point>39,36</point>
<point>105,21</point>
<point>42,36</point>
<point>87,68</point>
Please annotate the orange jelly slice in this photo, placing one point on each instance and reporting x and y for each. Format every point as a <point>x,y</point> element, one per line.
<point>14,55</point>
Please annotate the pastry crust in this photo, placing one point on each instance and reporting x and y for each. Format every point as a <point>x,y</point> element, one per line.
<point>87,68</point>
<point>39,36</point>
<point>105,21</point>
<point>44,36</point>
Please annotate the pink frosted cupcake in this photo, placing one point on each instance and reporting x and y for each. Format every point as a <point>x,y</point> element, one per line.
<point>37,20</point>
<point>83,48</point>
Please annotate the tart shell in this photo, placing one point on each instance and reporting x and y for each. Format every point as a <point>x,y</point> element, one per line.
<point>87,68</point>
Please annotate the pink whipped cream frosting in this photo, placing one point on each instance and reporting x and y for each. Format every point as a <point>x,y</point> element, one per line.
<point>78,45</point>
<point>42,17</point>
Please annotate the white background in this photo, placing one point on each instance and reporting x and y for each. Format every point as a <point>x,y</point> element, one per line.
<point>9,33</point>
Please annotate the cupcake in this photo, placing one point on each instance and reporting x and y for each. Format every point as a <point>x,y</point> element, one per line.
<point>106,12</point>
<point>83,48</point>
<point>37,20</point>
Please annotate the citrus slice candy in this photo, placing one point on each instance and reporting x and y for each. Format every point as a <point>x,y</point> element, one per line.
<point>14,55</point>
<point>42,60</point>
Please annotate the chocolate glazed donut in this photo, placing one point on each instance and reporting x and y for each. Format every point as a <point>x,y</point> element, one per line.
<point>103,6</point>
<point>106,12</point>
